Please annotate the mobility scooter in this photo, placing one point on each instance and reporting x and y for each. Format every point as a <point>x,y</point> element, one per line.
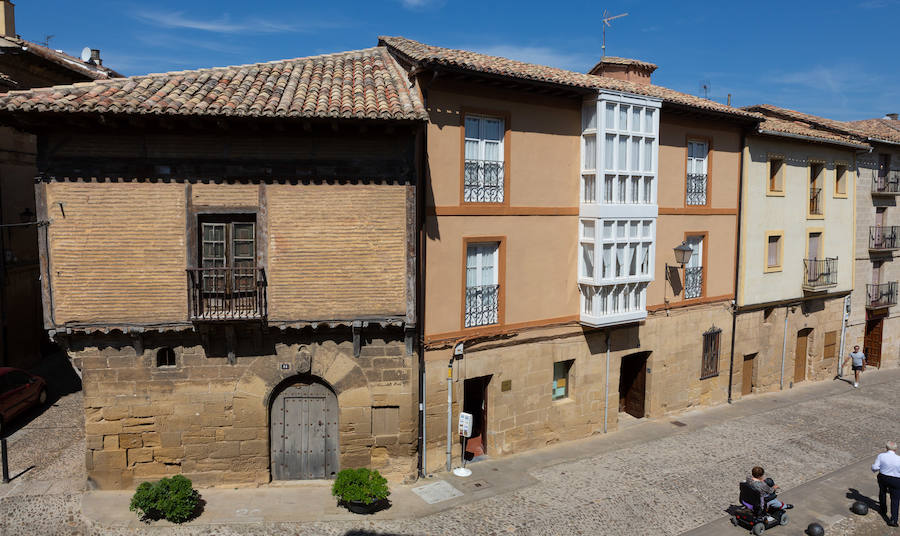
<point>753,513</point>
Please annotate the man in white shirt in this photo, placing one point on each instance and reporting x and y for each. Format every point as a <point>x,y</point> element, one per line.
<point>887,465</point>
<point>859,364</point>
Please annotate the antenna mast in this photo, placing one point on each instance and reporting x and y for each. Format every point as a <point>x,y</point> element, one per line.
<point>606,18</point>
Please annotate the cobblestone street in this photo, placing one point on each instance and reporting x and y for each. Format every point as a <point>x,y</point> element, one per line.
<point>683,478</point>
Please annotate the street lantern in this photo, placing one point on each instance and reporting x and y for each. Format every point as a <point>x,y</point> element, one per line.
<point>683,253</point>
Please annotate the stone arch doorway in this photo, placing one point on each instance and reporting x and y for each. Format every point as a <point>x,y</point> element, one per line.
<point>303,430</point>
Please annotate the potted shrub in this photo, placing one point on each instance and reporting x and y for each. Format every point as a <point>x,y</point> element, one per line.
<point>173,499</point>
<point>362,491</point>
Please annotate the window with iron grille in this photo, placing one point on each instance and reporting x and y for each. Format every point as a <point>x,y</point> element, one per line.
<point>484,165</point>
<point>482,289</point>
<point>696,172</point>
<point>710,366</point>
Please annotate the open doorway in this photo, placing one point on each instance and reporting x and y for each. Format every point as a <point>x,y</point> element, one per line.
<point>633,384</point>
<point>747,374</point>
<point>475,403</point>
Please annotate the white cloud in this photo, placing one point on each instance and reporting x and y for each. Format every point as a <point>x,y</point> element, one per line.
<point>224,24</point>
<point>421,4</point>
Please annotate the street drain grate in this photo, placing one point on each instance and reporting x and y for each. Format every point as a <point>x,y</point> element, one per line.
<point>678,423</point>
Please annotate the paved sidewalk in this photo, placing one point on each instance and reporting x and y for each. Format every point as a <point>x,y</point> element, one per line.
<point>654,477</point>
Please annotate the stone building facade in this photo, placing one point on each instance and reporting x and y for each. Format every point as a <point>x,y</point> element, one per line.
<point>233,270</point>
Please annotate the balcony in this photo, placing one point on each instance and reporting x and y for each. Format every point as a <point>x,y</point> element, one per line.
<point>815,201</point>
<point>888,184</point>
<point>696,189</point>
<point>482,304</point>
<point>884,238</point>
<point>483,181</point>
<point>227,294</point>
<point>819,274</point>
<point>880,296</point>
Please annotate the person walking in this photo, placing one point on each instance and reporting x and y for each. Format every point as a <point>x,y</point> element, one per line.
<point>859,364</point>
<point>887,465</point>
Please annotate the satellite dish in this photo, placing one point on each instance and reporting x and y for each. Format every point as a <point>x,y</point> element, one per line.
<point>86,54</point>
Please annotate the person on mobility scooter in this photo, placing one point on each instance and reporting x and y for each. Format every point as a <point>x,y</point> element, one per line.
<point>761,509</point>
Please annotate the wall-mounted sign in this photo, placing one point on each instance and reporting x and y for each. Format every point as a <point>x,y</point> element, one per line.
<point>465,424</point>
<point>285,366</point>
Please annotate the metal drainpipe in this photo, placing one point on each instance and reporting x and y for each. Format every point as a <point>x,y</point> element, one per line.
<point>844,318</point>
<point>606,390</point>
<point>783,347</point>
<point>737,265</point>
<point>449,413</point>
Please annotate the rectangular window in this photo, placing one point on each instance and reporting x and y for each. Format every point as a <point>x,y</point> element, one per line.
<point>693,270</point>
<point>773,253</point>
<point>484,166</point>
<point>698,152</point>
<point>561,371</point>
<point>776,176</point>
<point>589,189</point>
<point>225,286</point>
<point>482,289</point>
<point>816,179</point>
<point>590,152</point>
<point>710,366</point>
<point>840,180</point>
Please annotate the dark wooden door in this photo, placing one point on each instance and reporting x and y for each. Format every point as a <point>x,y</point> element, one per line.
<point>304,433</point>
<point>747,374</point>
<point>632,384</point>
<point>800,355</point>
<point>872,342</point>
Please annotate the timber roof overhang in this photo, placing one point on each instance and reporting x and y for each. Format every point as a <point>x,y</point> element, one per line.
<point>791,124</point>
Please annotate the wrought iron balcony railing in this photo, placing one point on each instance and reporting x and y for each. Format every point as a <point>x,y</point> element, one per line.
<point>883,295</point>
<point>696,189</point>
<point>884,238</point>
<point>482,305</point>
<point>693,282</point>
<point>888,184</point>
<point>227,294</point>
<point>483,182</point>
<point>815,201</point>
<point>819,273</point>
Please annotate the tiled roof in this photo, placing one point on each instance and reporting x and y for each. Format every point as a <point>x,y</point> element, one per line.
<point>879,129</point>
<point>791,122</point>
<point>625,61</point>
<point>366,84</point>
<point>88,70</point>
<point>482,63</point>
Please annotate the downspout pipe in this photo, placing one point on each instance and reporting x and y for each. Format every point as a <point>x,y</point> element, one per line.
<point>784,346</point>
<point>737,265</point>
<point>420,299</point>
<point>844,318</point>
<point>606,389</point>
<point>449,413</point>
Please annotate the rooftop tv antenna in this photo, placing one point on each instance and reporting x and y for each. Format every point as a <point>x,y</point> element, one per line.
<point>606,18</point>
<point>47,39</point>
<point>705,86</point>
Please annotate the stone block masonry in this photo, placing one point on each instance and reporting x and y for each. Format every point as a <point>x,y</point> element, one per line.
<point>210,420</point>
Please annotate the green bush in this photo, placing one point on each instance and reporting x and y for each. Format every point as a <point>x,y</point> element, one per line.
<point>361,485</point>
<point>173,499</point>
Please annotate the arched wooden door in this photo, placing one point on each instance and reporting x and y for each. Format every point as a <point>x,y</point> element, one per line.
<point>304,432</point>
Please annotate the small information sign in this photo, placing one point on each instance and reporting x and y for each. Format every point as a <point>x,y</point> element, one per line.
<point>285,366</point>
<point>465,424</point>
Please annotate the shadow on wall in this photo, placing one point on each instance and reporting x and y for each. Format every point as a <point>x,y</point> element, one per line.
<point>57,370</point>
<point>812,306</point>
<point>621,338</point>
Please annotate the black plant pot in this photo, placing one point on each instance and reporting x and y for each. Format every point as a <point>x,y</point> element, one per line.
<point>359,507</point>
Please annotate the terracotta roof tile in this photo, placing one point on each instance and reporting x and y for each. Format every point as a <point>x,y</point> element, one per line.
<point>482,63</point>
<point>88,70</point>
<point>364,84</point>
<point>878,129</point>
<point>614,60</point>
<point>784,121</point>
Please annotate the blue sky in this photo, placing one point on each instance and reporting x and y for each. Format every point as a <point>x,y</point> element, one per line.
<point>835,59</point>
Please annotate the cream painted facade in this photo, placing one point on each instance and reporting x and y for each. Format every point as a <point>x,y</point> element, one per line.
<point>878,261</point>
<point>785,214</point>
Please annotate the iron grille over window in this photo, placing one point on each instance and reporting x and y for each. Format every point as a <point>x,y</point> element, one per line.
<point>710,366</point>
<point>483,181</point>
<point>887,183</point>
<point>883,295</point>
<point>883,237</point>
<point>693,282</point>
<point>815,201</point>
<point>820,273</point>
<point>696,189</point>
<point>481,305</point>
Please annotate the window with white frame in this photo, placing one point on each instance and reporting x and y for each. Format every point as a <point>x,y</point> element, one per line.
<point>484,165</point>
<point>482,289</point>
<point>618,207</point>
<point>696,181</point>
<point>693,270</point>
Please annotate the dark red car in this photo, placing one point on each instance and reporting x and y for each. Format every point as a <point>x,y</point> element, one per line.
<point>19,391</point>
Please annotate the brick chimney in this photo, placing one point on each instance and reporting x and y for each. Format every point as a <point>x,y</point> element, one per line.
<point>8,18</point>
<point>624,69</point>
<point>891,116</point>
